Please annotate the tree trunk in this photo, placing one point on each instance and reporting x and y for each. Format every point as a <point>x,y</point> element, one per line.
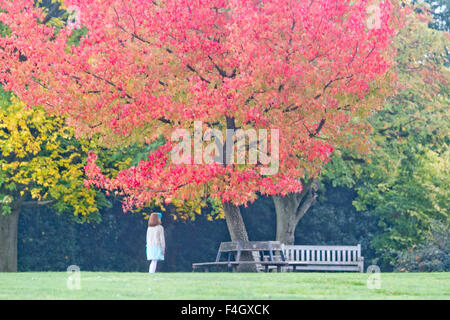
<point>285,208</point>
<point>8,240</point>
<point>237,230</point>
<point>291,208</point>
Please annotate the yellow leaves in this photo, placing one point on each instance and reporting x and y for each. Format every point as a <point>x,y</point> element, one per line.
<point>36,193</point>
<point>54,21</point>
<point>80,199</point>
<point>221,214</point>
<point>93,61</point>
<point>40,158</point>
<point>188,209</point>
<point>13,165</point>
<point>23,126</point>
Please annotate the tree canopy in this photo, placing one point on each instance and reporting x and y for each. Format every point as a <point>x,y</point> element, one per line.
<point>41,161</point>
<point>310,70</point>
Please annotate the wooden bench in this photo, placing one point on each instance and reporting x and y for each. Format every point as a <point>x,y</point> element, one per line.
<point>234,250</point>
<point>326,258</point>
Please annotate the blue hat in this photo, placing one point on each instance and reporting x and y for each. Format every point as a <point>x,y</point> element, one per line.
<point>159,215</point>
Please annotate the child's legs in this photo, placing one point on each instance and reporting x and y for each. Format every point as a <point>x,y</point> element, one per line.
<point>152,268</point>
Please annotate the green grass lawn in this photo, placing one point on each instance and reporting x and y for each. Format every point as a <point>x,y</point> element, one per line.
<point>113,285</point>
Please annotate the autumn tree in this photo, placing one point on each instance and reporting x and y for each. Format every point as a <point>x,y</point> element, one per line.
<point>309,69</point>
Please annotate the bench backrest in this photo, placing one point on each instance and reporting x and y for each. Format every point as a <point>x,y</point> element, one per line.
<point>333,254</point>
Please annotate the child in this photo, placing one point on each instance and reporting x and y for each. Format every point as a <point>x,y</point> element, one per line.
<point>156,244</point>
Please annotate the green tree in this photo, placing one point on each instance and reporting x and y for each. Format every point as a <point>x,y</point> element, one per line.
<point>42,163</point>
<point>405,180</point>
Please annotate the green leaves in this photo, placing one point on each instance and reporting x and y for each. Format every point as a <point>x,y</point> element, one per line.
<point>405,179</point>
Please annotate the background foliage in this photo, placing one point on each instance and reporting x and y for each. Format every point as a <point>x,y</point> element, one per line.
<point>50,242</point>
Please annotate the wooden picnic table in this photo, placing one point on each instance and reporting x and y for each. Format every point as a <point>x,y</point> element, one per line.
<point>234,250</point>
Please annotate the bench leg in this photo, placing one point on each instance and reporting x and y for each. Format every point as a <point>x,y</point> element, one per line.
<point>278,268</point>
<point>266,268</point>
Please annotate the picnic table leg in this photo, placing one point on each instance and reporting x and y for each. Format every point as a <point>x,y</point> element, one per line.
<point>261,255</point>
<point>270,252</point>
<point>233,268</point>
<point>278,268</point>
<point>266,268</point>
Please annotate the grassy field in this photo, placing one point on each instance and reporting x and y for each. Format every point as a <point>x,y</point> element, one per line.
<point>111,285</point>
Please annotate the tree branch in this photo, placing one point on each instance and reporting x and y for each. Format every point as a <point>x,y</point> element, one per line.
<point>38,203</point>
<point>308,200</point>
